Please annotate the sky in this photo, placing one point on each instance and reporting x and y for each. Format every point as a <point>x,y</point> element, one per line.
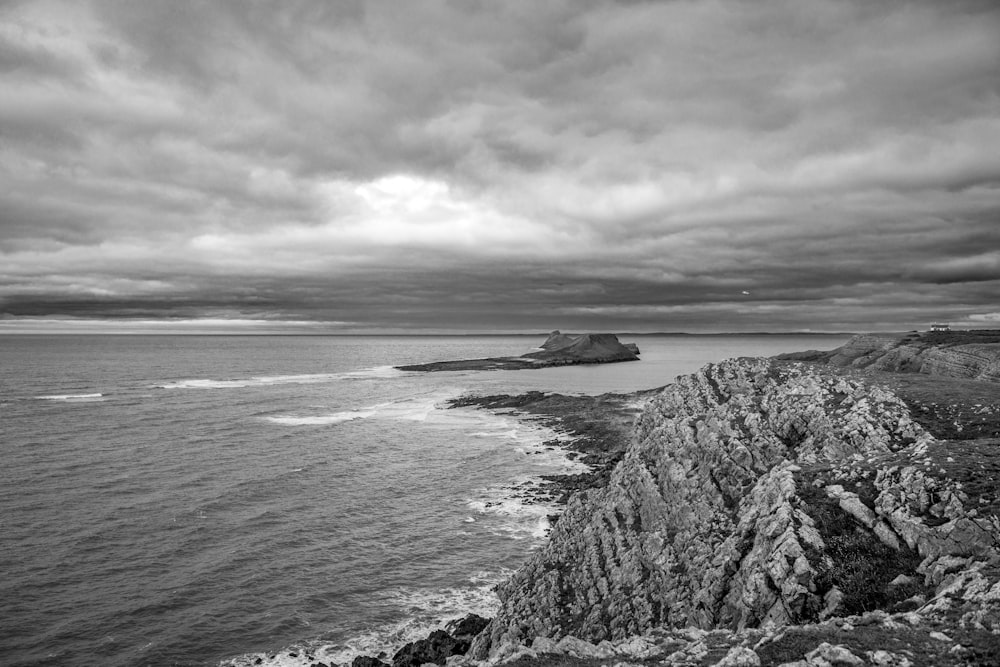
<point>515,166</point>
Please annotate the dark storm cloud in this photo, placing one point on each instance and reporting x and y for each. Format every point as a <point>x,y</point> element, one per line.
<point>647,165</point>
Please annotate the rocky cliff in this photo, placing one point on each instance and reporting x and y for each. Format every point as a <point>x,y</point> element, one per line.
<point>760,493</point>
<point>961,354</point>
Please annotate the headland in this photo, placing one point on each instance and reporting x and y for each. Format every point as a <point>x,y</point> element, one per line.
<point>802,511</point>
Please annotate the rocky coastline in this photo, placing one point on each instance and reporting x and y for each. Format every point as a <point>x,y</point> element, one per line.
<point>767,512</point>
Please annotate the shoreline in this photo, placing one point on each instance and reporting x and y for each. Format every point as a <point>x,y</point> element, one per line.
<point>959,413</point>
<point>593,430</point>
<point>596,429</point>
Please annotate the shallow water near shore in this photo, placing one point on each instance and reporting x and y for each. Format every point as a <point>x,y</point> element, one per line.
<point>206,500</point>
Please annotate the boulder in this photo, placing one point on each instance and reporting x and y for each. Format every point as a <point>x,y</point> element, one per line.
<point>438,646</point>
<point>367,661</point>
<point>464,629</point>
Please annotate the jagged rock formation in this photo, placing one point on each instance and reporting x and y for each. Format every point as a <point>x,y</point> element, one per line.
<point>960,354</point>
<point>755,493</point>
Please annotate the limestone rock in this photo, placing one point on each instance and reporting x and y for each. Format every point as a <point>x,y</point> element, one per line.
<point>545,645</point>
<point>739,656</point>
<point>583,649</point>
<point>699,524</point>
<point>638,647</point>
<point>703,525</point>
<point>833,655</point>
<point>882,658</point>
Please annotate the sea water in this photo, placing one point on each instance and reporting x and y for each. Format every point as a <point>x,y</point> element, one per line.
<point>236,500</point>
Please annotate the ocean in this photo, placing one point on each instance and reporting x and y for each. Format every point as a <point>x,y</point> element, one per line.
<point>274,500</point>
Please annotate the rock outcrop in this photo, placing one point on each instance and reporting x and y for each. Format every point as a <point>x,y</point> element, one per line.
<point>959,354</point>
<point>759,493</point>
<point>584,348</point>
<point>559,349</point>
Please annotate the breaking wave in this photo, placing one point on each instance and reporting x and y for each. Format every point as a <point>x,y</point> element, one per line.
<point>382,372</point>
<point>72,397</point>
<point>424,610</point>
<point>321,420</point>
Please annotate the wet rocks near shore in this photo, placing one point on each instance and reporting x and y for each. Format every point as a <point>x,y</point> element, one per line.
<point>436,648</point>
<point>559,349</point>
<point>599,429</point>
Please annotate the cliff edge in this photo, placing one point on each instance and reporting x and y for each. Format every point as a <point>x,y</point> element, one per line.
<point>960,354</point>
<point>760,493</point>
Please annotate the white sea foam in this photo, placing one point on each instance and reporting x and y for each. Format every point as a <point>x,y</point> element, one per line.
<point>412,409</point>
<point>375,372</point>
<point>520,508</point>
<point>532,440</point>
<point>265,380</point>
<point>256,381</point>
<point>515,514</point>
<point>425,610</point>
<point>321,420</point>
<point>72,397</point>
<point>512,434</point>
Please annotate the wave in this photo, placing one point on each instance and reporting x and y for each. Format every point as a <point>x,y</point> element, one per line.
<point>321,420</point>
<point>412,409</point>
<point>520,509</point>
<point>430,408</point>
<point>82,398</point>
<point>425,611</point>
<point>376,372</point>
<point>256,381</point>
<point>519,513</point>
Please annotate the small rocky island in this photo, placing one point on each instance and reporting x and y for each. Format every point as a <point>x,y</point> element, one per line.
<point>812,510</point>
<point>559,349</point>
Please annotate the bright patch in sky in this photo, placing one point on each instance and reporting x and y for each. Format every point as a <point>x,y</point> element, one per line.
<point>711,166</point>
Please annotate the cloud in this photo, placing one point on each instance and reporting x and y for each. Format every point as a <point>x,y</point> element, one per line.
<point>500,164</point>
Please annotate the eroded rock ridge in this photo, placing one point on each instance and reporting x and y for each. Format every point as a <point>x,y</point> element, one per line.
<point>759,493</point>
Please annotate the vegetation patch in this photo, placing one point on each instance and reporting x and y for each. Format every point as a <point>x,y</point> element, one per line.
<point>975,648</point>
<point>975,466</point>
<point>855,561</point>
